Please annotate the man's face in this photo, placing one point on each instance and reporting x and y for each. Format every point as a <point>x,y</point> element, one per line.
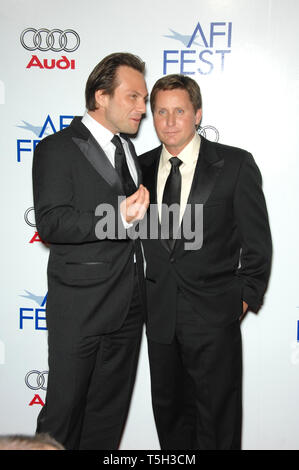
<point>175,119</point>
<point>122,111</point>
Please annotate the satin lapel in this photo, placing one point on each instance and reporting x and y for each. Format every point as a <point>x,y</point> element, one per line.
<point>207,170</point>
<point>153,191</point>
<point>96,155</point>
<point>152,181</point>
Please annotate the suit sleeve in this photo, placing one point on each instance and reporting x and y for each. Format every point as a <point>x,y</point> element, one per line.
<point>57,219</point>
<point>254,231</point>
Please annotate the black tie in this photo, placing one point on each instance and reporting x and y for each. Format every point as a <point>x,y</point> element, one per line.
<point>172,195</point>
<point>121,167</point>
<point>129,186</point>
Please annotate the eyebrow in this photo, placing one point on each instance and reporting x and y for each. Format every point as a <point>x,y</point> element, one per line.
<point>166,107</point>
<point>137,93</point>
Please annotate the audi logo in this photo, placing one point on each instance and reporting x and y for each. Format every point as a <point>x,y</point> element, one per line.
<point>209,132</point>
<point>54,40</point>
<point>36,379</point>
<point>29,217</point>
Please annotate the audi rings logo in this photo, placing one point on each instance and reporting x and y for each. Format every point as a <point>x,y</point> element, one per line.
<point>209,132</point>
<point>29,217</point>
<point>54,40</point>
<point>37,380</point>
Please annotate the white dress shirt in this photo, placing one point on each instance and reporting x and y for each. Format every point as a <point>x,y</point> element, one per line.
<point>103,136</point>
<point>189,157</point>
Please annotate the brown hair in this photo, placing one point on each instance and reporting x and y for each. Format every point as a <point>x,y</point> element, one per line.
<point>174,81</point>
<point>104,75</point>
<point>24,442</point>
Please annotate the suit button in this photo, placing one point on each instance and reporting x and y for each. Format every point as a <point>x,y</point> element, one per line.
<point>172,260</point>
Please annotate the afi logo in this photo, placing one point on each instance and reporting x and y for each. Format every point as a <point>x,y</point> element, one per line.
<point>48,127</point>
<point>35,315</point>
<point>204,51</point>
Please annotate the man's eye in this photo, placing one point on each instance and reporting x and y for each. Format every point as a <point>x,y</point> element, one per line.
<point>180,111</point>
<point>162,111</point>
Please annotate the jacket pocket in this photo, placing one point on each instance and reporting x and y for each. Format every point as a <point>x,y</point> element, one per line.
<point>87,270</point>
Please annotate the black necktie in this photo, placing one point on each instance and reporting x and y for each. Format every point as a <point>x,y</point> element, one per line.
<point>172,195</point>
<point>121,167</point>
<point>129,186</point>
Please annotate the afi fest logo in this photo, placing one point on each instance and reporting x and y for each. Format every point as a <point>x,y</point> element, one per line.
<point>33,315</point>
<point>204,50</point>
<point>27,146</point>
<point>56,41</point>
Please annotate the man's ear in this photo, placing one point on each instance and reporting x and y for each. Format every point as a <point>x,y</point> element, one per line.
<point>101,98</point>
<point>198,116</point>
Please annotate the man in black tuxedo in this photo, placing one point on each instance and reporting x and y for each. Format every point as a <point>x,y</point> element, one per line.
<point>199,286</point>
<point>96,303</point>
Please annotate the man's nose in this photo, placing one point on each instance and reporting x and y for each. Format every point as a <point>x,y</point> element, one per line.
<point>170,120</point>
<point>141,106</point>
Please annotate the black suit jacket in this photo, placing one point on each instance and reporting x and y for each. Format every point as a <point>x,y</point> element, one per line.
<point>233,263</point>
<point>90,281</point>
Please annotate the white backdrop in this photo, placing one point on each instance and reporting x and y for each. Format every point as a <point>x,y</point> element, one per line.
<point>244,55</point>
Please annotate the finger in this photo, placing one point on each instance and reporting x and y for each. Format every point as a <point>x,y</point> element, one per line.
<point>141,196</point>
<point>133,197</point>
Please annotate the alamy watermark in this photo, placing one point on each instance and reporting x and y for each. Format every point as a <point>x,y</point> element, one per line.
<point>148,225</point>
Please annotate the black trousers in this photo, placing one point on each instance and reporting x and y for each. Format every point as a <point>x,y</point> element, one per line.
<point>90,385</point>
<point>196,384</point>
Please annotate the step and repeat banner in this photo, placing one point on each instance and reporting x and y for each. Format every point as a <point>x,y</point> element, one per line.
<point>244,55</point>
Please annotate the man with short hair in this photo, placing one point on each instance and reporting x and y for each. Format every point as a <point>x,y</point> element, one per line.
<point>199,287</point>
<point>96,303</point>
<point>24,442</point>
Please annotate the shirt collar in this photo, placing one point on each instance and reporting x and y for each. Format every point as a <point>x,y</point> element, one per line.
<point>188,155</point>
<point>100,133</point>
